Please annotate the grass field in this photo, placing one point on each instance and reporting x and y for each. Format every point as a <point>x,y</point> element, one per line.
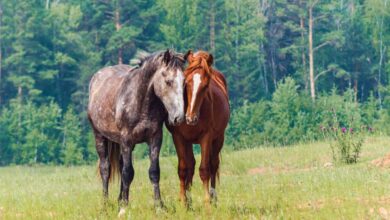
<point>268,183</point>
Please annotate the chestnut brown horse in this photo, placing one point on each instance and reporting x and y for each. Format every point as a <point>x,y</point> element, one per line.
<point>207,115</point>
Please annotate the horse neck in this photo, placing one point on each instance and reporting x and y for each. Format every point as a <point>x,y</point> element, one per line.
<point>143,90</point>
<point>148,95</point>
<point>219,79</point>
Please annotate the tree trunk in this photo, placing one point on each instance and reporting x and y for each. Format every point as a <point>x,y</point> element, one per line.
<point>311,55</point>
<point>20,99</point>
<point>355,89</point>
<point>303,55</point>
<point>236,34</point>
<point>381,54</point>
<point>118,26</point>
<point>274,77</point>
<point>265,77</point>
<point>212,27</point>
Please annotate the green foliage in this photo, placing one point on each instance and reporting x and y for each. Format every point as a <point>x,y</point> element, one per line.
<point>291,117</point>
<point>281,126</point>
<point>72,150</point>
<point>346,145</point>
<point>245,122</point>
<point>31,132</point>
<point>50,49</point>
<point>346,142</point>
<point>39,134</point>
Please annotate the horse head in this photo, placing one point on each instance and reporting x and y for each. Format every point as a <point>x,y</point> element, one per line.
<point>198,75</point>
<point>168,84</point>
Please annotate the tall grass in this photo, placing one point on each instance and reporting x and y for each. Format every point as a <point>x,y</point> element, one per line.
<point>270,183</point>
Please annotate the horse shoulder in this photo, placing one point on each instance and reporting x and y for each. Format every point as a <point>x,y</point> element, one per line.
<point>127,106</point>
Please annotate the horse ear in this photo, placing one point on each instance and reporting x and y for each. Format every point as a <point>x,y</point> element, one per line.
<point>188,56</point>
<point>167,57</point>
<point>210,60</point>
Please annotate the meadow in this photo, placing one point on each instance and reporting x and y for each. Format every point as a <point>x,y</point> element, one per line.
<point>294,182</point>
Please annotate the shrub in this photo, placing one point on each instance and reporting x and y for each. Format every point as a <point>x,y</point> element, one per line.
<point>345,142</point>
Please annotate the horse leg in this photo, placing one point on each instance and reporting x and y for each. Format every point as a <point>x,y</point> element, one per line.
<point>120,169</point>
<point>127,175</point>
<point>190,161</point>
<point>204,168</point>
<point>104,163</point>
<point>154,169</point>
<point>181,145</point>
<point>217,146</point>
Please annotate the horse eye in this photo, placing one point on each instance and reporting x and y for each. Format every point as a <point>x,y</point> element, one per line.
<point>169,82</point>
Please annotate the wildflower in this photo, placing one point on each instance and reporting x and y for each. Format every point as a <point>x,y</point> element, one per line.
<point>343,129</point>
<point>351,130</point>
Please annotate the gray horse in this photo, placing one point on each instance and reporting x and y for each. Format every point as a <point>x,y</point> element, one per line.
<point>128,105</point>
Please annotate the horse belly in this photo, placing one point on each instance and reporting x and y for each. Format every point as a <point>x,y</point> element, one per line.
<point>104,122</point>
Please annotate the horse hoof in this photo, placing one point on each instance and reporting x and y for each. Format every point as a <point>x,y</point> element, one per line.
<point>158,203</point>
<point>159,206</point>
<point>213,196</point>
<point>122,213</point>
<point>160,209</point>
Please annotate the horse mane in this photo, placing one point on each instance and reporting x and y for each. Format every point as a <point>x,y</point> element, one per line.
<point>199,61</point>
<point>139,58</point>
<point>146,60</point>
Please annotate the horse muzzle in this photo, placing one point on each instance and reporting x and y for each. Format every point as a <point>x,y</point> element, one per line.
<point>176,120</point>
<point>192,120</point>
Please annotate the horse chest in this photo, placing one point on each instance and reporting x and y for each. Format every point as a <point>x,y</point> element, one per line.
<point>191,133</point>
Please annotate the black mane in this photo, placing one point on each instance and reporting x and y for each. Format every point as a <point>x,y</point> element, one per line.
<point>150,62</point>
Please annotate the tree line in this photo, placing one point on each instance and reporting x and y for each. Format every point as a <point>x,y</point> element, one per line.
<point>330,54</point>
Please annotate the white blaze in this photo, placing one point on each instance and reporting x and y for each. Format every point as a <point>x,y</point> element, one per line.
<point>196,79</point>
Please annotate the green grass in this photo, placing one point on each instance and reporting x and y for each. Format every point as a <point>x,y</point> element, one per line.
<point>269,183</point>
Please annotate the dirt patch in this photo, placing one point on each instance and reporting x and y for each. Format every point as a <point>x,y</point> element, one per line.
<point>382,162</point>
<point>383,200</point>
<point>316,205</point>
<point>319,203</point>
<point>384,213</point>
<point>257,170</point>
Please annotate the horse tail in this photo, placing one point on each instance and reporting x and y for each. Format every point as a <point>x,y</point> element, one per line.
<point>114,158</point>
